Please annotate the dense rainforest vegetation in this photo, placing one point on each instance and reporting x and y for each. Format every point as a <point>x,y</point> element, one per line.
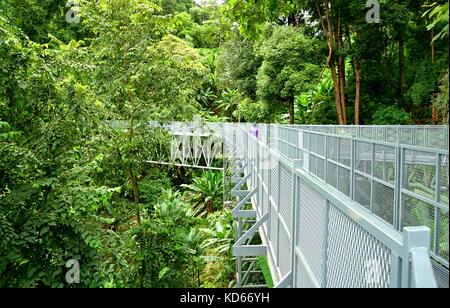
<point>79,79</point>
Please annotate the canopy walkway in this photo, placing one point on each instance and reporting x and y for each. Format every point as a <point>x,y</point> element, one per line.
<point>333,206</point>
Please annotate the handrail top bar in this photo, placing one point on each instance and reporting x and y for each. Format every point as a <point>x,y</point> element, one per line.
<point>315,129</point>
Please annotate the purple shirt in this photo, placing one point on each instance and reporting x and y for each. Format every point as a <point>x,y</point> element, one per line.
<point>254,131</point>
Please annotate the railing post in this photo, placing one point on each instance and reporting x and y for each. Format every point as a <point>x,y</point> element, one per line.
<point>307,165</point>
<point>352,169</point>
<point>417,238</point>
<point>437,215</point>
<point>398,198</point>
<point>372,173</point>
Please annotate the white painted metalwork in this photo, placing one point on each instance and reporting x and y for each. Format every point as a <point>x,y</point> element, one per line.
<point>334,206</point>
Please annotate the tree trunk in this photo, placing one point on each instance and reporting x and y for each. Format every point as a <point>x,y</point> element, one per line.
<point>433,47</point>
<point>331,60</point>
<point>209,207</point>
<point>341,72</point>
<point>401,61</point>
<point>349,40</point>
<point>135,189</point>
<point>434,115</point>
<point>434,111</point>
<point>133,179</point>
<point>337,95</point>
<point>358,89</point>
<point>292,112</point>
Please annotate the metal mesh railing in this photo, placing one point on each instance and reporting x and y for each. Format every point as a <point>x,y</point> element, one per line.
<point>370,172</point>
<point>399,181</point>
<point>430,137</point>
<point>340,201</point>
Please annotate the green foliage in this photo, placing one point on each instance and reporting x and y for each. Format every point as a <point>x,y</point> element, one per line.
<point>439,16</point>
<point>217,239</point>
<point>441,100</point>
<point>253,112</point>
<point>66,188</point>
<point>164,247</point>
<point>253,14</point>
<point>266,271</point>
<point>207,191</point>
<point>288,66</point>
<point>238,66</point>
<point>391,116</point>
<point>424,82</point>
<point>316,106</point>
<point>39,18</point>
<point>75,100</point>
<point>176,6</point>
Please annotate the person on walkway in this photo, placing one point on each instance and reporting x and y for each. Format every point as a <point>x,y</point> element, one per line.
<point>254,130</point>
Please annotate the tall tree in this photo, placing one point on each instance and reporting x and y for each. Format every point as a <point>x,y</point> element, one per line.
<point>289,67</point>
<point>139,73</point>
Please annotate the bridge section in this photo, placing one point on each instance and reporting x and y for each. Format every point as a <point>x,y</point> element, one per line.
<point>338,206</point>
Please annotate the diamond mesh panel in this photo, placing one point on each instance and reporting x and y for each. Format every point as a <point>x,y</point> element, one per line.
<point>321,168</point>
<point>306,140</point>
<point>274,231</point>
<point>379,133</point>
<point>265,163</point>
<point>313,164</point>
<point>301,136</point>
<point>332,175</point>
<point>313,143</point>
<point>420,173</point>
<point>265,201</point>
<point>418,213</point>
<point>259,193</point>
<point>274,186</point>
<point>363,191</point>
<point>286,196</point>
<point>364,157</point>
<point>310,228</point>
<point>302,280</point>
<point>293,138</point>
<point>268,223</point>
<point>355,258</point>
<point>383,202</point>
<point>344,181</point>
<point>345,152</point>
<point>444,179</point>
<point>385,163</point>
<point>321,145</point>
<point>392,135</point>
<point>443,234</point>
<point>366,132</point>
<point>406,135</point>
<point>441,274</point>
<point>284,252</point>
<point>332,148</point>
<point>420,137</point>
<point>438,138</point>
